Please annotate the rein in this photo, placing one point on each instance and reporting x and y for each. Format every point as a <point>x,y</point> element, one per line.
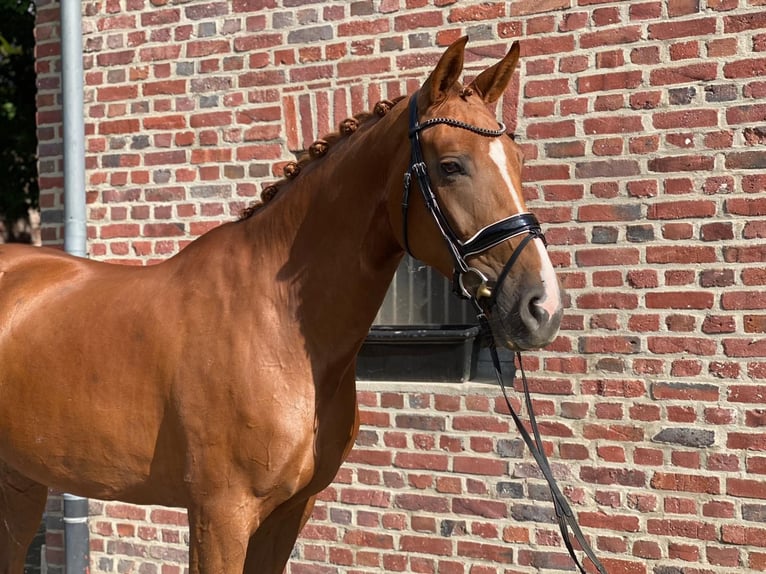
<point>484,239</point>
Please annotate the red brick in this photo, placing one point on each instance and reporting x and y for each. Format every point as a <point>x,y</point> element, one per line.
<point>614,344</point>
<point>681,163</point>
<point>167,516</point>
<point>682,209</point>
<point>746,488</point>
<point>483,551</point>
<point>126,126</point>
<point>611,453</point>
<point>746,160</point>
<point>611,36</point>
<point>668,255</point>
<point>421,461</point>
<point>550,130</point>
<point>680,29</point>
<point>167,87</point>
<point>159,17</point>
<point>120,22</point>
<point>431,19</point>
<point>611,168</point>
<point>425,545</point>
<point>488,11</point>
<point>678,8</point>
<point>685,119</point>
<point>612,125</point>
<point>752,20</point>
<point>527,7</point>
<point>620,476</point>
<point>686,552</point>
<point>748,114</point>
<point>358,496</point>
<point>369,539</point>
<point>744,347</point>
<point>546,88</point>
<point>159,53</point>
<point>125,511</point>
<point>690,345</point>
<point>685,483</point>
<point>749,441</point>
<point>119,230</point>
<point>560,44</point>
<point>682,528</point>
<point>647,549</point>
<point>571,21</point>
<point>680,300</point>
<point>479,507</point>
<point>364,66</point>
<point>613,432</point>
<point>645,10</point>
<point>607,301</point>
<point>602,520</point>
<point>683,75</point>
<point>751,68</point>
<point>199,48</point>
<point>611,81</point>
<point>721,556</point>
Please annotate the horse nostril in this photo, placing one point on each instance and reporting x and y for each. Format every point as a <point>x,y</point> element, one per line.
<point>533,313</point>
<point>539,319</point>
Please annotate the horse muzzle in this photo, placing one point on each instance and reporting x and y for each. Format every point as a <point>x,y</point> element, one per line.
<point>524,318</point>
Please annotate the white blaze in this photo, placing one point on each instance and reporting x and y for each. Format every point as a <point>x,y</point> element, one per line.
<point>498,155</point>
<point>552,298</point>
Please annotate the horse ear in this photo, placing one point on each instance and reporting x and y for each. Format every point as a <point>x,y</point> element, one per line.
<point>492,82</point>
<point>445,75</point>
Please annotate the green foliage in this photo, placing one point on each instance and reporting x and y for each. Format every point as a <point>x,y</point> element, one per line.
<point>18,138</point>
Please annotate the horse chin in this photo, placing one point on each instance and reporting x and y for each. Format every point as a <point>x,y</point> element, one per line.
<point>506,335</point>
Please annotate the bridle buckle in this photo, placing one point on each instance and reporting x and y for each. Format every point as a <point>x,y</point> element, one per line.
<point>473,284</point>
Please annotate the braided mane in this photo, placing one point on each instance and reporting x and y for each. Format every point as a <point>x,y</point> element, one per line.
<point>316,150</point>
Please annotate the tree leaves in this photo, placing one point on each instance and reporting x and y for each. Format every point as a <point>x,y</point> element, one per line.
<point>18,138</point>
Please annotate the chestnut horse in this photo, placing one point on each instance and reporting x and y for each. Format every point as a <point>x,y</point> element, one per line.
<point>222,380</point>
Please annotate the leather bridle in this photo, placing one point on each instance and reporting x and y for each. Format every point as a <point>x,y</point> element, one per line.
<point>483,240</point>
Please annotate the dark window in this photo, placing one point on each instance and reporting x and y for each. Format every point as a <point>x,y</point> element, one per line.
<point>419,295</point>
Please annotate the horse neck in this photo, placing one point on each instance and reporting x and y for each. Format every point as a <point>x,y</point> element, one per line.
<point>331,225</point>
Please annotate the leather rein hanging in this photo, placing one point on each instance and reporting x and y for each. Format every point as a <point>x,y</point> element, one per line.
<point>484,239</point>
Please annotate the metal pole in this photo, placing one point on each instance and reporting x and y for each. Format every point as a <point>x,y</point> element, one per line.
<point>75,229</point>
<point>76,534</point>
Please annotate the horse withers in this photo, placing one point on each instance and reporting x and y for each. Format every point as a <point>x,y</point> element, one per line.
<point>222,380</point>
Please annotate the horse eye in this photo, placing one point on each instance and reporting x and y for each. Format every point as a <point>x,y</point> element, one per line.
<point>451,167</point>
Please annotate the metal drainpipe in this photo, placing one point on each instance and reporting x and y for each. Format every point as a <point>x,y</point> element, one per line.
<point>76,534</point>
<point>75,229</point>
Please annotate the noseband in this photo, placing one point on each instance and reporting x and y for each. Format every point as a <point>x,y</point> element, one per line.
<point>484,239</point>
<point>466,278</point>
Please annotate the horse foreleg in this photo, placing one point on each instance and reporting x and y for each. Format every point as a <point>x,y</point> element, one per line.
<point>219,530</point>
<point>271,545</point>
<point>22,502</point>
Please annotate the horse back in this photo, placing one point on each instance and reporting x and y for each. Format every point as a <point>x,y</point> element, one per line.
<point>75,355</point>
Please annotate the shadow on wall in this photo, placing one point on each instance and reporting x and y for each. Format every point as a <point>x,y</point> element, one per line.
<point>33,564</point>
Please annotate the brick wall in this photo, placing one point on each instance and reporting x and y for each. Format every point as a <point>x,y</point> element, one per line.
<point>644,125</point>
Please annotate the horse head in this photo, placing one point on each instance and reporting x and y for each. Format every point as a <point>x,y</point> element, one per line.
<point>466,215</point>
